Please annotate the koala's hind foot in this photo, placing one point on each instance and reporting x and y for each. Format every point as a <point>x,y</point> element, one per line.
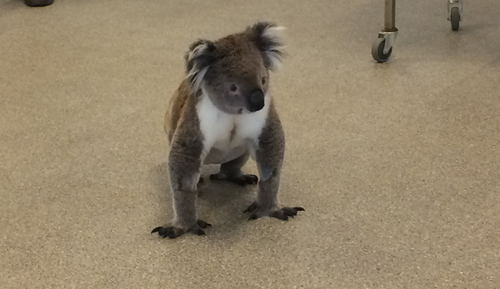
<point>282,214</point>
<point>173,232</point>
<point>231,171</point>
<point>239,179</point>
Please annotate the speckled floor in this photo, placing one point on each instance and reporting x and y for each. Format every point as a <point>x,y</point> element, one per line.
<point>397,165</point>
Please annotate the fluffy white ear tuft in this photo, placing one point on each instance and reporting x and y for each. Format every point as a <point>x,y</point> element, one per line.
<point>198,60</point>
<point>275,52</point>
<point>269,39</point>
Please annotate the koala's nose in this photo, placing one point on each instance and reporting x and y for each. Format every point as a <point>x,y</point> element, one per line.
<point>256,100</point>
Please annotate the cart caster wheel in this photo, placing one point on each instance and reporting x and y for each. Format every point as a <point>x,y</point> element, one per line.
<point>378,51</point>
<point>455,18</point>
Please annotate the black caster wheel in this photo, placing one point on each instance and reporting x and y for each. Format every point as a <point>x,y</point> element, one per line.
<point>455,18</point>
<point>378,51</point>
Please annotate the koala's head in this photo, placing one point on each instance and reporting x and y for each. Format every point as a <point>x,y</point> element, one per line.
<point>234,71</point>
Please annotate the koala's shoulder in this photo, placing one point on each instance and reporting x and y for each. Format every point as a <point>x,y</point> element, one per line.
<point>181,117</point>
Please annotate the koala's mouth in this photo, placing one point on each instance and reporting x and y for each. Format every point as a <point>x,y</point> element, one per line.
<point>254,109</point>
<point>247,110</point>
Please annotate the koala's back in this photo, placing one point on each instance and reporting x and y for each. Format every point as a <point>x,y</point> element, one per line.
<point>176,108</point>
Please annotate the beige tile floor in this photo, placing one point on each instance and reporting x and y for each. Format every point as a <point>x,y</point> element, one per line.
<point>397,164</point>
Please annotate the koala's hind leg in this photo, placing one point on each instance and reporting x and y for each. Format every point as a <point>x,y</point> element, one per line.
<point>231,171</point>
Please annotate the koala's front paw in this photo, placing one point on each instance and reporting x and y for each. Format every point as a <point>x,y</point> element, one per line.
<point>282,214</point>
<point>173,232</point>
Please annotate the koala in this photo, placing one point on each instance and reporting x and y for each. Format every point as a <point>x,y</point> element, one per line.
<point>222,113</point>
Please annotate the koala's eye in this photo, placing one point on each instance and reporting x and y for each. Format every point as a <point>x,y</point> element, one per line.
<point>233,87</point>
<point>263,80</point>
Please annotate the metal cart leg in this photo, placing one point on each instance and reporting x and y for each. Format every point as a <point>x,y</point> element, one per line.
<point>455,13</point>
<point>382,48</point>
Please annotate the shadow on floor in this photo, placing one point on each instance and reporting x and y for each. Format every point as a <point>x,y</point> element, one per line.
<point>219,203</point>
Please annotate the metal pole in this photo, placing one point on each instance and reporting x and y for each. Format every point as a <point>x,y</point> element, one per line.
<point>390,15</point>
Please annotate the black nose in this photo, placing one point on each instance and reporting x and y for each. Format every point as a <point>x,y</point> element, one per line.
<point>256,100</point>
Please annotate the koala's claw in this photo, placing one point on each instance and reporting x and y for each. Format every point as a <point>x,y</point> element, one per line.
<point>203,224</point>
<point>251,208</point>
<point>172,232</point>
<point>282,214</point>
<point>168,232</point>
<point>286,212</point>
<point>242,180</point>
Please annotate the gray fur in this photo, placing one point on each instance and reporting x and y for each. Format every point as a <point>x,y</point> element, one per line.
<point>232,72</point>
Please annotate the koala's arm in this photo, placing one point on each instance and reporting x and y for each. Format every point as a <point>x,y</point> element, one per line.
<point>184,162</point>
<point>269,158</point>
<point>184,169</point>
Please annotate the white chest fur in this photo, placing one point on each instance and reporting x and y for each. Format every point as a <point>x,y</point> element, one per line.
<point>227,136</point>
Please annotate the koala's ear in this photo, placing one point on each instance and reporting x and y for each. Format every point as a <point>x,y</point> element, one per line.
<point>200,56</point>
<point>268,37</point>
